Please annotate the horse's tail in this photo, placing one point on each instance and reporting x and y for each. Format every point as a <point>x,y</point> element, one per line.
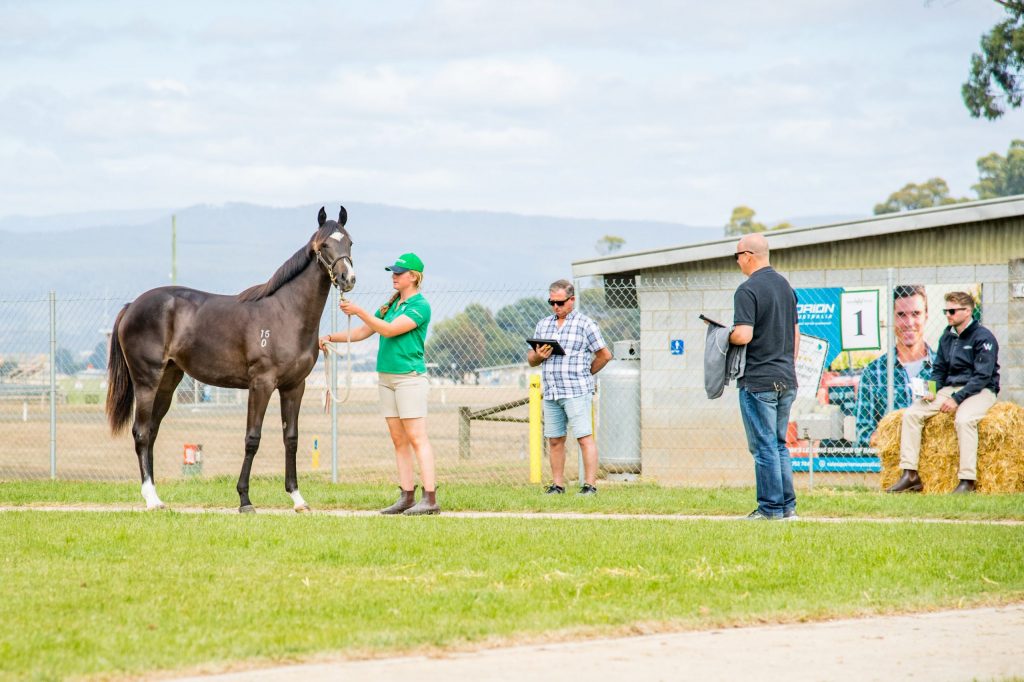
<point>120,391</point>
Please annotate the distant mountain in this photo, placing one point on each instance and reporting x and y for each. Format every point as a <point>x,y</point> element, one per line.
<point>228,248</point>
<point>97,261</point>
<point>75,221</point>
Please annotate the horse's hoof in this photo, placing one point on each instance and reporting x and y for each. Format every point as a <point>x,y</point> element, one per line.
<point>247,509</point>
<point>156,507</point>
<point>302,509</point>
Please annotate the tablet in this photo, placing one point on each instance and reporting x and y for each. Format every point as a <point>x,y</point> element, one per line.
<point>710,321</point>
<point>557,348</point>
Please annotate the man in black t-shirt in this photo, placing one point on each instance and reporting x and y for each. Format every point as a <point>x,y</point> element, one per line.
<point>765,321</point>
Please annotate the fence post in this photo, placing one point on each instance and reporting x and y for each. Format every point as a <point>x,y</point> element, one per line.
<point>890,340</point>
<point>333,390</point>
<point>536,432</point>
<point>464,425</point>
<point>53,384</point>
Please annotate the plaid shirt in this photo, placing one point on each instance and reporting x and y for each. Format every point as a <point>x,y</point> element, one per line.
<point>873,395</point>
<point>568,376</point>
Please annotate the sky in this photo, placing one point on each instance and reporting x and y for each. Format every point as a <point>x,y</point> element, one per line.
<point>672,110</point>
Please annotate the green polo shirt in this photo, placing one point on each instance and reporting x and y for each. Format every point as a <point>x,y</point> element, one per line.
<point>404,353</point>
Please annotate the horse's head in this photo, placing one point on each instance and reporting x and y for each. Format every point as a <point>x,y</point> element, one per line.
<point>333,248</point>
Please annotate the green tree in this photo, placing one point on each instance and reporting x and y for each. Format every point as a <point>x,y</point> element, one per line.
<point>614,310</point>
<point>609,244</point>
<point>520,319</point>
<point>998,67</point>
<point>7,368</point>
<point>98,359</point>
<point>470,340</point>
<point>456,346</point>
<point>1001,176</point>
<point>66,363</point>
<point>742,222</point>
<point>500,347</point>
<point>934,192</point>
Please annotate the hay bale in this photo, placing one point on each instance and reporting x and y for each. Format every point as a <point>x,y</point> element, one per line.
<point>1000,451</point>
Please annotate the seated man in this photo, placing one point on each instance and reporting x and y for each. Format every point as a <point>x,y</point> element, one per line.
<point>966,373</point>
<point>912,358</point>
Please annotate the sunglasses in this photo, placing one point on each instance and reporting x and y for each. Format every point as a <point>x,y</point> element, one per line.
<point>560,303</point>
<point>950,311</point>
<point>738,253</point>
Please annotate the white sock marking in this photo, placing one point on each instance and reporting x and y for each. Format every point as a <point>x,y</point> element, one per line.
<point>149,494</point>
<point>297,498</point>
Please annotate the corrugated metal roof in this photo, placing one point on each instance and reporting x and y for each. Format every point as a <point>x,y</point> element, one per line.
<point>950,216</point>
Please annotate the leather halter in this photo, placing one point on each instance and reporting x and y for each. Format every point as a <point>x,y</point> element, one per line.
<point>330,266</point>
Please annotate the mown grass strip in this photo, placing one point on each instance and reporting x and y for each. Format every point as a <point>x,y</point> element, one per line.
<point>634,498</point>
<point>131,593</point>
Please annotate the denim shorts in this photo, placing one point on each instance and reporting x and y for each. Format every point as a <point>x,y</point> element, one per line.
<point>562,412</point>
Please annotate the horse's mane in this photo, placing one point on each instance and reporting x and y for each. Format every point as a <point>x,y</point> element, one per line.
<point>290,268</point>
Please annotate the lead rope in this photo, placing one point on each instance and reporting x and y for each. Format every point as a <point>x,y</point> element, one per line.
<point>329,387</point>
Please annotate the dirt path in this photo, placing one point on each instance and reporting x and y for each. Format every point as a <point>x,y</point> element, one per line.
<point>509,514</point>
<point>982,644</point>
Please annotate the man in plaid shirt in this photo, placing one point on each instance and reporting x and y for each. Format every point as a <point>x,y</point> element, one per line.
<point>569,382</point>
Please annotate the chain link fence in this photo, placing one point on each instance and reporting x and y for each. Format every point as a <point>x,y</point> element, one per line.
<point>652,416</point>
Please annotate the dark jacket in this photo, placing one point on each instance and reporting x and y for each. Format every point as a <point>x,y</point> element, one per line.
<point>970,360</point>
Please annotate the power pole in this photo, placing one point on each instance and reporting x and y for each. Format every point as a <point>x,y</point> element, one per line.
<point>174,249</point>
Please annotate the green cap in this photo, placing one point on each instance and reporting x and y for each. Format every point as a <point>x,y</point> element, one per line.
<point>407,261</point>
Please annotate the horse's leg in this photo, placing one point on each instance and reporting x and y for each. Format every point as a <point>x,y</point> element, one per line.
<point>259,397</point>
<point>141,428</point>
<point>290,402</point>
<point>150,408</point>
<point>162,400</point>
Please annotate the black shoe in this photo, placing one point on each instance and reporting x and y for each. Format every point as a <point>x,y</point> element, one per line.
<point>909,482</point>
<point>554,490</point>
<point>588,489</point>
<point>790,515</point>
<point>966,486</point>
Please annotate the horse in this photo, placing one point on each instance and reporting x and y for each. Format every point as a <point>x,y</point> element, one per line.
<point>262,339</point>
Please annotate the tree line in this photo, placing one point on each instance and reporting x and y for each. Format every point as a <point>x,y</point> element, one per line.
<point>998,176</point>
<point>477,338</point>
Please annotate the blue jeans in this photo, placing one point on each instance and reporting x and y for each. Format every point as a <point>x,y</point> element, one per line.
<point>765,419</point>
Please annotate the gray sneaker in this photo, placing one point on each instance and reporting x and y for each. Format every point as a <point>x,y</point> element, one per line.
<point>758,515</point>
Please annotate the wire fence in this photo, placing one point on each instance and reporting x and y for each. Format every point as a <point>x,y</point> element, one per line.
<point>652,417</point>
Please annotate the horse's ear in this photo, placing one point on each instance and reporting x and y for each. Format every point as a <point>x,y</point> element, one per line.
<point>322,216</point>
<point>342,216</point>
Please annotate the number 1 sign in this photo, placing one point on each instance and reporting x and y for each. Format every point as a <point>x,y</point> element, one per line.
<point>858,314</point>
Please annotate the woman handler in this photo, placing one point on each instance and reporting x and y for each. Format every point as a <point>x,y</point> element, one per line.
<point>402,324</point>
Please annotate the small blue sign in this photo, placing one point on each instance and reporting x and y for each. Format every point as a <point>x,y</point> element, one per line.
<point>676,346</point>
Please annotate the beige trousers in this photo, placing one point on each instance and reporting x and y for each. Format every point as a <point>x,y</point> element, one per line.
<point>965,421</point>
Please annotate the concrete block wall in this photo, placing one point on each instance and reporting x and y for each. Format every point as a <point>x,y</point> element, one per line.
<point>684,432</point>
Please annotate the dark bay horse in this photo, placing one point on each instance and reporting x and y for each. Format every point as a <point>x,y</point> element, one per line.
<point>263,339</point>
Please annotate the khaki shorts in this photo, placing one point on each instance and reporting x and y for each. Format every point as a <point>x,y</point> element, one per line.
<point>403,395</point>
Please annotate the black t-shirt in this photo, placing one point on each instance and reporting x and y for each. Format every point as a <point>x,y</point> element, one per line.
<point>767,303</point>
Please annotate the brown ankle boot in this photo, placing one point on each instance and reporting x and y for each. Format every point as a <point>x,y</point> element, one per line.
<point>909,482</point>
<point>406,500</point>
<point>426,505</point>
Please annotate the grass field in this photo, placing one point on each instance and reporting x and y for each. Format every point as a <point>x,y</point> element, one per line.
<point>109,594</point>
<point>630,498</point>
